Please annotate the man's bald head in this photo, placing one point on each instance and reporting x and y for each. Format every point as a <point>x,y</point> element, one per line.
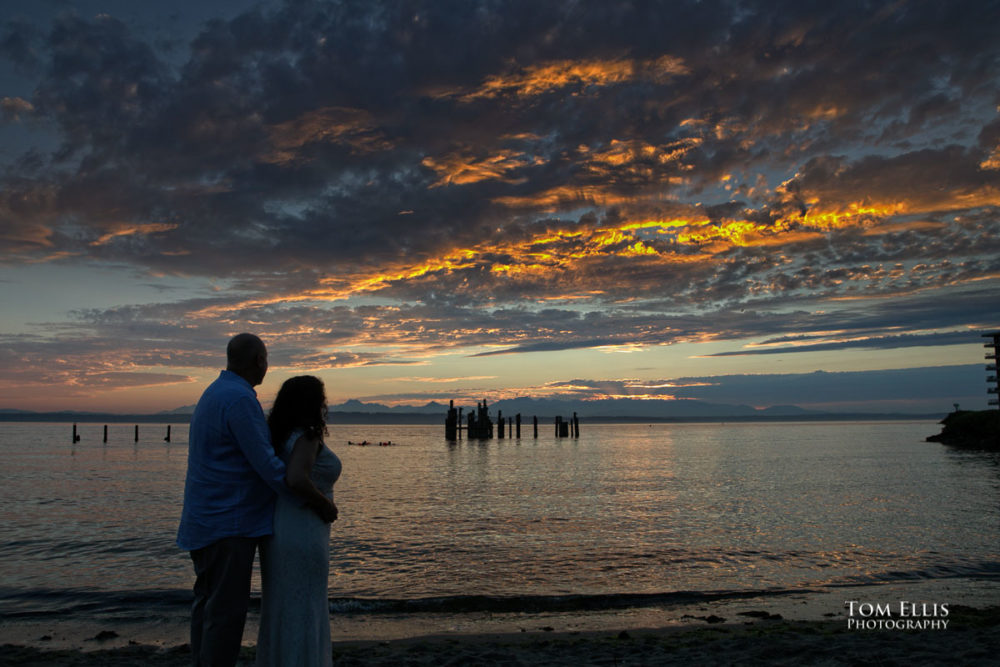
<point>246,355</point>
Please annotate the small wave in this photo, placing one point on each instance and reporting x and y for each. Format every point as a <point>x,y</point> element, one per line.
<point>463,604</point>
<point>140,605</point>
<point>41,603</point>
<point>17,603</point>
<point>975,570</point>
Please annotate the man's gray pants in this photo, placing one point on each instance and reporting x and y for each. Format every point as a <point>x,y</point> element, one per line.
<point>221,598</point>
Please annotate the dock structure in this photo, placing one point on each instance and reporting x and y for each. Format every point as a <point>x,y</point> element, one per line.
<point>993,344</point>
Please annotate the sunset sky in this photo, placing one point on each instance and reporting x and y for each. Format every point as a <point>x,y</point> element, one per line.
<point>424,200</point>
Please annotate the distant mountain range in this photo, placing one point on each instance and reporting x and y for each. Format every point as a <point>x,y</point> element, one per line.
<point>604,408</point>
<point>355,411</point>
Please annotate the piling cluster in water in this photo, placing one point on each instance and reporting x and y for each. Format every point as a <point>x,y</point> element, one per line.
<point>479,426</point>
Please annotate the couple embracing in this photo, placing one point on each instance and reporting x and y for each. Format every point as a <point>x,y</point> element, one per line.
<point>255,483</point>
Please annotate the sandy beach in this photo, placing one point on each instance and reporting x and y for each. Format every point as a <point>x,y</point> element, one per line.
<point>811,629</point>
<point>973,637</point>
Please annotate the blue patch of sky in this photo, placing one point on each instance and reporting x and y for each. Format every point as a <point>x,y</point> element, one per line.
<point>35,294</point>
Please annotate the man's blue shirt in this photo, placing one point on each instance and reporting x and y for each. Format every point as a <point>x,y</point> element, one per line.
<point>233,473</point>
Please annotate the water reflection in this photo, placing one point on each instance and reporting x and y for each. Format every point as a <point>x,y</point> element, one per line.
<point>633,508</point>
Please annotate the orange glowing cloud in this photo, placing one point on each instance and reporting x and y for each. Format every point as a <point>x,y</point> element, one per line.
<point>825,112</point>
<point>852,214</point>
<point>566,195</point>
<point>13,108</point>
<point>462,169</point>
<point>538,79</point>
<point>717,236</point>
<point>993,161</point>
<point>558,257</point>
<point>620,153</point>
<point>132,229</point>
<point>353,127</point>
<point>553,253</point>
<point>25,237</point>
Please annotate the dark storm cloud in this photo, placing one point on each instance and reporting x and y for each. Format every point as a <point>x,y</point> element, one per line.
<point>196,146</point>
<point>474,163</point>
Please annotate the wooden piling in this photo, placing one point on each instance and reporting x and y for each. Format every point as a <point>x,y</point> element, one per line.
<point>137,433</point>
<point>76,438</point>
<point>478,425</point>
<point>105,433</point>
<point>451,422</point>
<point>576,426</point>
<point>484,418</point>
<point>167,439</point>
<point>535,419</point>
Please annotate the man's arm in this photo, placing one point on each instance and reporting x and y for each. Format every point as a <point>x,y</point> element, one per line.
<point>247,423</point>
<point>246,420</point>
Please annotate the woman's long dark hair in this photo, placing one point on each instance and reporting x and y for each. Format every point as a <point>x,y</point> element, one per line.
<point>300,404</point>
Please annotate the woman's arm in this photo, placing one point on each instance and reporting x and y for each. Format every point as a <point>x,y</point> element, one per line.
<point>298,477</point>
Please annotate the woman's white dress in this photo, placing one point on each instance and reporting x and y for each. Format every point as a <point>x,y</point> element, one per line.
<point>294,572</point>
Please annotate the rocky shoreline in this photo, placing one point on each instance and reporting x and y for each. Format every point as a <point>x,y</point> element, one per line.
<point>970,429</point>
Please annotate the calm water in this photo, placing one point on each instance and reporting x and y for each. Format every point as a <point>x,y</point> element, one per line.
<point>623,510</point>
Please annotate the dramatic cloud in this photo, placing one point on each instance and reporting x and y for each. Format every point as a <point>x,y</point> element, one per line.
<point>378,183</point>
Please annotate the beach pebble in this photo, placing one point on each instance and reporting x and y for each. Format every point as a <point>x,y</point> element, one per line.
<point>767,616</point>
<point>708,619</point>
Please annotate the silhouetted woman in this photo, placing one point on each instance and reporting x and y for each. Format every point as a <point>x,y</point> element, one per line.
<point>295,561</point>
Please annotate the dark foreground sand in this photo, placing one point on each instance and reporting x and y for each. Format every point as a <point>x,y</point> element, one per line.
<point>972,638</point>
